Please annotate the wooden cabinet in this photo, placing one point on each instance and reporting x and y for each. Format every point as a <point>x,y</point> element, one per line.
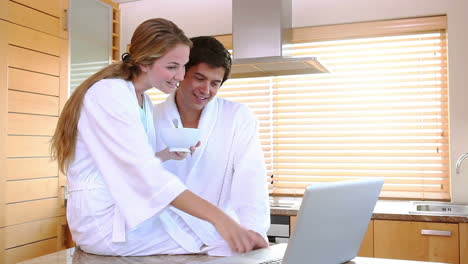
<point>33,89</point>
<point>367,245</point>
<point>463,228</point>
<point>409,240</point>
<point>424,241</point>
<point>115,30</point>
<point>292,223</point>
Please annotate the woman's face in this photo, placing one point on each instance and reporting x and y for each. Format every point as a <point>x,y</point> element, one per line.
<point>166,72</point>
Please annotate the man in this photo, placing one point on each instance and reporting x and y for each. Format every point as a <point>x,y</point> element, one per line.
<point>228,168</point>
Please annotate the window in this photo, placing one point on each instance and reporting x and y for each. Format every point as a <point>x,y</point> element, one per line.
<point>381,112</point>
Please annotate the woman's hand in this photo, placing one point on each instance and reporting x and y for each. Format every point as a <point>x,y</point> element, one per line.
<point>238,238</point>
<point>257,240</point>
<point>165,154</point>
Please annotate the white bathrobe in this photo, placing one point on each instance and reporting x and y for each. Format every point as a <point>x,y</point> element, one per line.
<point>228,169</point>
<point>119,191</point>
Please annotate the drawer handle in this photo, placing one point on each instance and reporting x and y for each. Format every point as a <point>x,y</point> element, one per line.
<point>429,232</point>
<point>65,19</point>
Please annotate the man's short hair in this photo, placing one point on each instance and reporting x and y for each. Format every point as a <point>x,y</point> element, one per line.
<point>210,51</point>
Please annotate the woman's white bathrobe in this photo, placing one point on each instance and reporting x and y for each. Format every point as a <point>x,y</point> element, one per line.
<point>119,191</point>
<point>228,169</point>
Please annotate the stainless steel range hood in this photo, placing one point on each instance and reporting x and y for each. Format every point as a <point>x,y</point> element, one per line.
<point>260,29</point>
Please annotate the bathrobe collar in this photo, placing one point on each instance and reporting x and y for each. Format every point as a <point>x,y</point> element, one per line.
<point>150,131</point>
<point>206,125</point>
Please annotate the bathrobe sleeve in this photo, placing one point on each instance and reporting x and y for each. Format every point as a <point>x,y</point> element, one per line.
<point>249,194</point>
<point>112,131</point>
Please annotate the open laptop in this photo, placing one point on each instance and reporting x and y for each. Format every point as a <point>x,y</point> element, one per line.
<point>330,226</point>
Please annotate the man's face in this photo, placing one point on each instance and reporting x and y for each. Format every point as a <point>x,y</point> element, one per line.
<point>199,87</point>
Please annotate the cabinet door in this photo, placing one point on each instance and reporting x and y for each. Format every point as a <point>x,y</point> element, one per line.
<point>33,89</point>
<point>47,16</point>
<point>292,223</point>
<point>367,245</point>
<point>422,241</point>
<point>463,243</point>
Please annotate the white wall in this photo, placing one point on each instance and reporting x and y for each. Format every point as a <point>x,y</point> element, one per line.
<point>213,17</point>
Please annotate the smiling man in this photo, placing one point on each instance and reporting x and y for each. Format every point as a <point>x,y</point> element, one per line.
<point>228,168</point>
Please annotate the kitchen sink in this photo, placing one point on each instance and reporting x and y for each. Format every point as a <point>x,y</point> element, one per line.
<point>285,204</point>
<point>439,208</point>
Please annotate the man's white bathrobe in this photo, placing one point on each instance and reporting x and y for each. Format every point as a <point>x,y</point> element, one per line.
<point>228,169</point>
<point>119,191</point>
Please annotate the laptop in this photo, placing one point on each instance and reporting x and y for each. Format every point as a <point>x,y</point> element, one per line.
<point>330,226</point>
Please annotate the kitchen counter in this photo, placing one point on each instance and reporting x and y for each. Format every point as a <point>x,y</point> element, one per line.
<point>77,256</point>
<point>384,210</point>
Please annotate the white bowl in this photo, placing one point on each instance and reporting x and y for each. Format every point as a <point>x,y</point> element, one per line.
<point>180,139</point>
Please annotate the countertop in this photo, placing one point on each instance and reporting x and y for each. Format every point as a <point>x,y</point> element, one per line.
<point>77,256</point>
<point>384,210</point>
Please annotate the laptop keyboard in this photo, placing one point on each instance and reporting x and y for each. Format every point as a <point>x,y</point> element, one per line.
<point>276,261</point>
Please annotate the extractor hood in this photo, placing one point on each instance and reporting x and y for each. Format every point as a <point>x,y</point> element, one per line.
<point>260,29</point>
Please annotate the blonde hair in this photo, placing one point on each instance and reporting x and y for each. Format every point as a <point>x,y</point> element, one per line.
<point>150,41</point>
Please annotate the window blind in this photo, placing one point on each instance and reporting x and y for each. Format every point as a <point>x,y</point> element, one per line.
<point>381,112</point>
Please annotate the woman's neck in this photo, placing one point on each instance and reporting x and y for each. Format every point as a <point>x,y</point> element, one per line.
<point>140,88</point>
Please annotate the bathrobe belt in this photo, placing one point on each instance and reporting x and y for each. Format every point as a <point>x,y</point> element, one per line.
<point>118,222</point>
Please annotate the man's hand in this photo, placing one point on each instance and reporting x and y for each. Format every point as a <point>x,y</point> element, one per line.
<point>165,154</point>
<point>193,148</point>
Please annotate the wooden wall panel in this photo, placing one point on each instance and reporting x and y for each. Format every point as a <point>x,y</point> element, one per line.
<point>32,39</point>
<point>226,40</point>
<point>30,251</point>
<point>26,233</point>
<point>34,125</point>
<point>21,80</point>
<point>3,9</point>
<point>3,118</point>
<point>19,191</point>
<point>365,29</point>
<point>27,146</point>
<point>64,85</point>
<point>19,213</point>
<point>64,89</point>
<point>30,168</point>
<point>33,61</point>
<point>62,233</point>
<point>29,103</point>
<point>2,242</point>
<point>51,7</point>
<point>30,18</point>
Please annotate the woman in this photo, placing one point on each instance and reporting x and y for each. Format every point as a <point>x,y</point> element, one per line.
<point>103,140</point>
